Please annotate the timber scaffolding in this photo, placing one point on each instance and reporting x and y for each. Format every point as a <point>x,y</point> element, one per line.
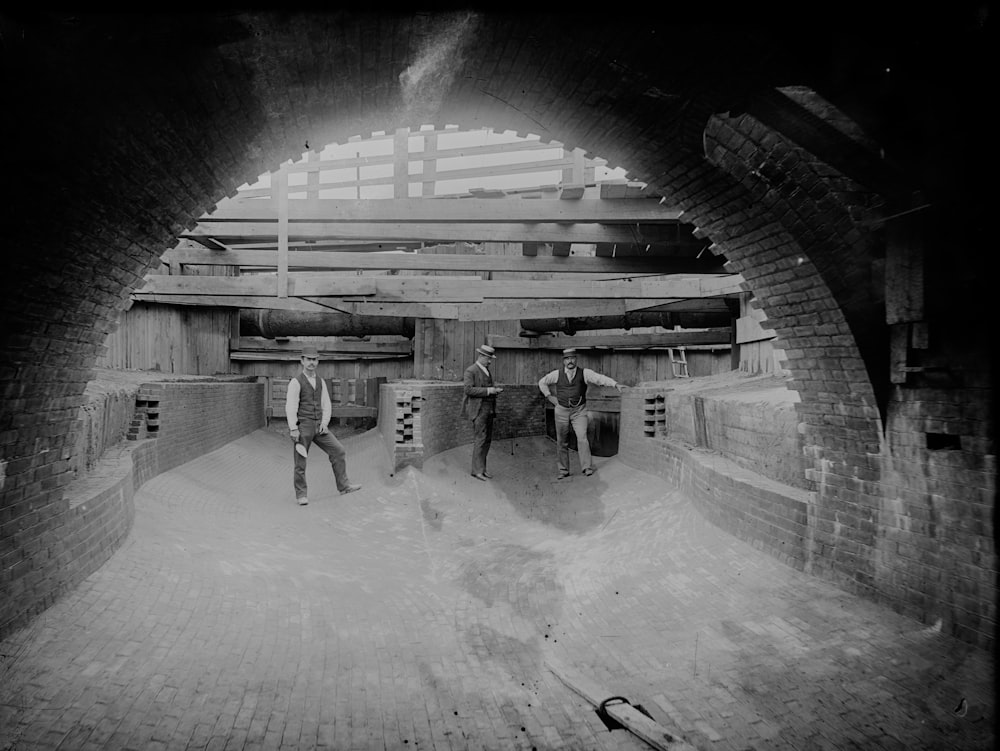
<point>576,254</point>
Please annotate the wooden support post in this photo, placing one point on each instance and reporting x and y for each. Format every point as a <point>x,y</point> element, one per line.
<point>280,193</point>
<point>401,163</point>
<point>904,288</point>
<point>430,166</point>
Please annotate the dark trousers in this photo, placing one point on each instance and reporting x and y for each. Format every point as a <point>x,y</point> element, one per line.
<point>482,435</point>
<point>333,448</point>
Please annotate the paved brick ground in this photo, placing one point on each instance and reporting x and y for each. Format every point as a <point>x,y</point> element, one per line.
<point>424,611</point>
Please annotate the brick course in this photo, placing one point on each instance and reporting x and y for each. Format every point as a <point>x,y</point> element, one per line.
<point>57,538</point>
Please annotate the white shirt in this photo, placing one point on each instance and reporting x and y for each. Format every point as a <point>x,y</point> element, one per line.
<point>589,376</point>
<point>292,402</point>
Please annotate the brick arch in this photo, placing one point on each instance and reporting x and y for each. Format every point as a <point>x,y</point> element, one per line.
<point>781,247</point>
<point>166,122</point>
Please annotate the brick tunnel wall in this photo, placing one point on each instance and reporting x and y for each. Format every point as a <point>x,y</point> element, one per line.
<point>174,121</point>
<point>876,524</point>
<point>418,419</point>
<point>83,531</point>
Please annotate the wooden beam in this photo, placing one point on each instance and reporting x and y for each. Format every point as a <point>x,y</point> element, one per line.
<point>258,284</point>
<point>457,262</point>
<point>293,356</point>
<point>228,233</point>
<point>489,310</point>
<point>442,289</point>
<point>466,210</point>
<point>681,338</point>
<point>704,305</point>
<point>265,302</point>
<point>281,199</point>
<point>631,719</point>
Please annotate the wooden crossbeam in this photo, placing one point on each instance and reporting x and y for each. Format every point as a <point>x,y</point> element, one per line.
<point>503,310</point>
<point>446,262</point>
<point>468,210</point>
<point>227,233</point>
<point>443,289</point>
<point>683,338</point>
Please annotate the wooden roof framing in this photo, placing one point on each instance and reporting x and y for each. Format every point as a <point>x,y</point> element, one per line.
<point>294,248</point>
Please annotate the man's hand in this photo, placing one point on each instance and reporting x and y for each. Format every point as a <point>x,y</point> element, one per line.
<point>323,430</point>
<point>553,401</point>
<point>619,387</point>
<point>295,434</point>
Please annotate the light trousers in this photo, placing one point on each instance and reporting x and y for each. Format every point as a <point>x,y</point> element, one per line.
<point>577,419</point>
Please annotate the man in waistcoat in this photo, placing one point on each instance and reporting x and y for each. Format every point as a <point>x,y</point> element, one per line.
<point>566,389</point>
<point>308,410</point>
<point>479,404</point>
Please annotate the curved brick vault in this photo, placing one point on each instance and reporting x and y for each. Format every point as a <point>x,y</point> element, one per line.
<point>125,129</point>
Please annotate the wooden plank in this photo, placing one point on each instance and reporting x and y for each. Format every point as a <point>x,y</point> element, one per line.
<point>233,301</point>
<point>429,176</point>
<point>441,288</point>
<point>529,262</point>
<point>718,335</point>
<point>467,210</point>
<point>294,356</point>
<point>657,736</point>
<point>904,270</point>
<point>258,284</point>
<point>281,199</point>
<point>228,233</point>
<point>748,329</point>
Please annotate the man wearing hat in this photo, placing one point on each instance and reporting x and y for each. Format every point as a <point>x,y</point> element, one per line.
<point>480,405</point>
<point>308,410</point>
<point>570,402</point>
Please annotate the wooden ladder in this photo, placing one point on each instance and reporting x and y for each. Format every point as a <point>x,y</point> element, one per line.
<point>678,362</point>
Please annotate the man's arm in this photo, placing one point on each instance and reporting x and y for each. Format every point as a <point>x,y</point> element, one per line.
<point>470,387</point>
<point>292,404</point>
<point>327,406</point>
<point>547,380</point>
<point>596,379</point>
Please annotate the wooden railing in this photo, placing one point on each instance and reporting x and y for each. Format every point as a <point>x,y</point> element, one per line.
<point>352,397</point>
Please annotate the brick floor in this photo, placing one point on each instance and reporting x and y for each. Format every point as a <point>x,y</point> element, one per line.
<point>422,612</point>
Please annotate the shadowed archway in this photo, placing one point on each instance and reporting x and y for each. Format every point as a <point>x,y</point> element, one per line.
<point>165,115</point>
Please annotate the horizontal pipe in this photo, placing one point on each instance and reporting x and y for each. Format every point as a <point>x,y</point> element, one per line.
<point>636,319</point>
<point>271,324</point>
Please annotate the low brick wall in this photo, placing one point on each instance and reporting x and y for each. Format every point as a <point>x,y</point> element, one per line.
<point>97,511</point>
<point>733,449</point>
<point>198,417</point>
<point>418,419</point>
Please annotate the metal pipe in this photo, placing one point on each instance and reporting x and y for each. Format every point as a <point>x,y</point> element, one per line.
<point>636,319</point>
<point>272,324</point>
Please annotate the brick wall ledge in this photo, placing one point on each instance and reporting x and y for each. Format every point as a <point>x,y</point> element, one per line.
<point>771,516</point>
<point>101,509</point>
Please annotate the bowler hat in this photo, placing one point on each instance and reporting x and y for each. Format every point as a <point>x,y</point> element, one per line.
<point>569,352</point>
<point>485,349</point>
<point>310,351</point>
